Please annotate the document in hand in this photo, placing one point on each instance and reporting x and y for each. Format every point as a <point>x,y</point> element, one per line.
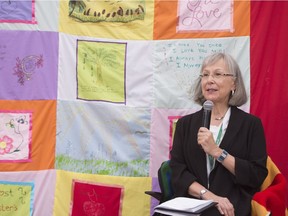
<point>184,206</point>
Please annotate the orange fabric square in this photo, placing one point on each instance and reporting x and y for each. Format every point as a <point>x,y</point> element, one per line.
<point>166,21</point>
<point>43,133</point>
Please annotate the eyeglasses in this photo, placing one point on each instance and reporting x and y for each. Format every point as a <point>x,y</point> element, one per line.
<point>215,75</point>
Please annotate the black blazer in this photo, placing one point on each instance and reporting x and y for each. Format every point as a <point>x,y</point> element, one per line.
<point>244,139</point>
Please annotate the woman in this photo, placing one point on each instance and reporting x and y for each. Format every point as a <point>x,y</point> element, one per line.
<point>226,163</point>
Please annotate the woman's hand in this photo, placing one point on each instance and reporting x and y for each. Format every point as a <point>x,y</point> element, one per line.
<point>224,206</point>
<point>206,141</point>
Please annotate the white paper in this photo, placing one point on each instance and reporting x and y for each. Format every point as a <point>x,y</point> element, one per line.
<point>182,204</point>
<point>167,212</point>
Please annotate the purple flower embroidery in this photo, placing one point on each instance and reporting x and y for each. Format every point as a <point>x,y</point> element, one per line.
<point>27,66</point>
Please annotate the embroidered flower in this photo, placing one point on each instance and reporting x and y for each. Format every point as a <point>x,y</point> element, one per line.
<point>6,144</point>
<point>27,66</point>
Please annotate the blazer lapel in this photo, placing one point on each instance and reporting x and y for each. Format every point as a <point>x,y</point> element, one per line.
<point>233,127</point>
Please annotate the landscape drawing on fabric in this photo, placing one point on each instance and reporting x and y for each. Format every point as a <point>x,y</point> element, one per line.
<point>107,11</point>
<point>91,140</point>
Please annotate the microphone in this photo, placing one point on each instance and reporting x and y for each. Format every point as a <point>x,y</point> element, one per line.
<point>207,106</point>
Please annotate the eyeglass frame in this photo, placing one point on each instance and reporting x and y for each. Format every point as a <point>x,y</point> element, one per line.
<point>216,75</point>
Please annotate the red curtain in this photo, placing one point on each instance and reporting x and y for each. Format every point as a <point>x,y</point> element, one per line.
<point>269,75</point>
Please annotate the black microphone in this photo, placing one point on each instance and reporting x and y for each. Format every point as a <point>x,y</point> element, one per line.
<point>207,106</point>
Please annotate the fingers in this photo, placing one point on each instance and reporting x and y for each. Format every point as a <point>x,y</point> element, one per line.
<point>225,207</point>
<point>202,134</point>
<point>220,210</point>
<point>202,129</point>
<point>204,137</point>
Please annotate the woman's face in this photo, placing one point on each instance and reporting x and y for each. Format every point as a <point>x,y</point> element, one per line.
<point>217,82</point>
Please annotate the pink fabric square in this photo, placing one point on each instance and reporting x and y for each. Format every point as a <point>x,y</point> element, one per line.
<point>15,136</point>
<point>93,199</point>
<point>172,121</point>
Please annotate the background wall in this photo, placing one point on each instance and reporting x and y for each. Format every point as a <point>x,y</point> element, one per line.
<point>90,92</point>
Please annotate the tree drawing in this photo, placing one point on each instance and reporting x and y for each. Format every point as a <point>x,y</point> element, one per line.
<point>104,58</point>
<point>76,4</point>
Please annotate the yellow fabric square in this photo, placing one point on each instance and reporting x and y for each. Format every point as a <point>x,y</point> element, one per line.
<point>101,71</point>
<point>108,19</point>
<point>16,198</point>
<point>135,201</point>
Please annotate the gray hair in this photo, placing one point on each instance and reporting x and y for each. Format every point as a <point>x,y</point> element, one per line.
<point>239,97</point>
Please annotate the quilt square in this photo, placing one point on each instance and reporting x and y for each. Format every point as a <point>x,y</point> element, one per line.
<point>131,20</point>
<point>101,71</point>
<point>38,118</point>
<point>205,15</point>
<point>107,11</point>
<point>28,67</point>
<point>193,19</point>
<point>17,198</point>
<point>96,199</point>
<point>15,136</point>
<point>15,11</point>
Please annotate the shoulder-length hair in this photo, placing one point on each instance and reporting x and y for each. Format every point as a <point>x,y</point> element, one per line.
<point>239,97</point>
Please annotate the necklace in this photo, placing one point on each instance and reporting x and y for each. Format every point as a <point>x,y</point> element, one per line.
<point>220,118</point>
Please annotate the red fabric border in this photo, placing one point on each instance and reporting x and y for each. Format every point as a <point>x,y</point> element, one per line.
<point>269,75</point>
